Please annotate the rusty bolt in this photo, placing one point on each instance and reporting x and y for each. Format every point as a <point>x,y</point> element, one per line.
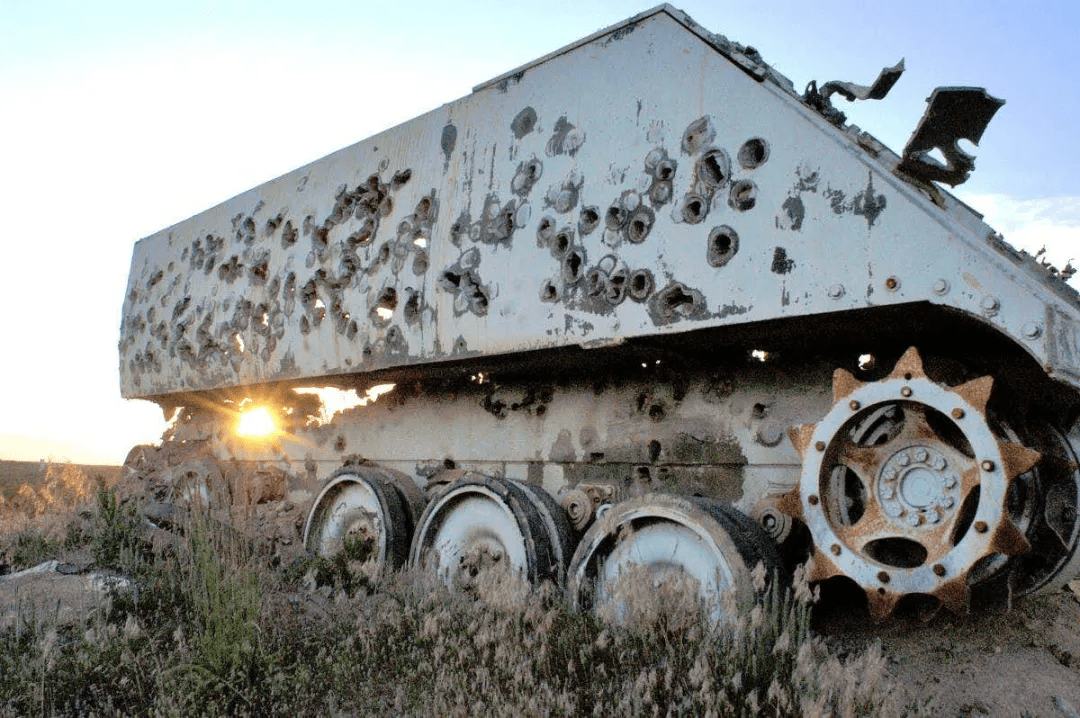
<point>980,526</point>
<point>941,287</point>
<point>958,413</point>
<point>813,499</point>
<point>987,465</point>
<point>835,548</point>
<point>892,283</point>
<point>820,446</point>
<point>905,391</point>
<point>883,576</point>
<point>836,291</point>
<point>855,406</point>
<point>939,570</point>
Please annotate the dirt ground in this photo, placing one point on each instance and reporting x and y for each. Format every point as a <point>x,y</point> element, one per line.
<point>1019,662</point>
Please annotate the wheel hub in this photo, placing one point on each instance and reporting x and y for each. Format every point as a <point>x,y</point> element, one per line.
<point>917,487</point>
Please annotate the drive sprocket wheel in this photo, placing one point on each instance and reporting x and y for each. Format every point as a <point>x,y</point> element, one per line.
<point>905,486</point>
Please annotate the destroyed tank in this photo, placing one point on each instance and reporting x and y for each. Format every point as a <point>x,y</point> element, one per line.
<point>638,304</point>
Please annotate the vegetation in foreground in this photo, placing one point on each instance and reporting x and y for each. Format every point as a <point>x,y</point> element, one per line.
<point>211,629</point>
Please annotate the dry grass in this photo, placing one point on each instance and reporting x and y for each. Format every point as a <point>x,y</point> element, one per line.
<point>213,630</point>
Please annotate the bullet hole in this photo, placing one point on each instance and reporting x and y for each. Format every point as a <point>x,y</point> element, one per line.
<point>561,243</point>
<point>714,169</point>
<point>743,195</point>
<point>424,209</point>
<point>272,224</point>
<point>260,270</point>
<point>461,280</point>
<point>478,300</point>
<point>400,179</point>
<point>450,281</point>
<point>395,340</point>
<point>660,193</point>
<point>595,282</point>
<point>753,153</point>
<point>246,232</point>
<point>665,170</point>
<point>231,270</point>
<point>654,451</point>
<point>572,266</point>
<point>288,290</point>
<point>526,177</point>
<point>503,225</point>
<point>545,231</point>
<point>288,235</point>
<point>154,279</point>
<point>616,217</point>
<point>384,253</point>
<point>350,265</point>
<point>319,239</point>
<point>319,312</point>
<point>309,294</point>
<point>590,220</point>
<point>549,292</point>
<point>523,123</point>
<point>639,225</point>
<point>640,285</point>
<point>564,197</point>
<point>616,286</point>
<point>305,325</point>
<point>540,410</point>
<point>723,244</point>
<point>565,138</point>
<point>339,443</point>
<point>420,263</point>
<point>656,412</point>
<point>496,224</point>
<point>675,302</point>
<point>309,222</point>
<point>698,134</point>
<point>694,208</point>
<point>382,311</point>
<point>411,312</point>
<point>179,309</point>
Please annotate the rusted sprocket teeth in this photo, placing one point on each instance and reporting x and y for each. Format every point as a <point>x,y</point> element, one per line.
<point>881,604</point>
<point>976,392</point>
<point>1018,459</point>
<point>800,437</point>
<point>844,383</point>
<point>909,366</point>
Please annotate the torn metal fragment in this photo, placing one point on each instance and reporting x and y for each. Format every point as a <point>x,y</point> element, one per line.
<point>952,114</point>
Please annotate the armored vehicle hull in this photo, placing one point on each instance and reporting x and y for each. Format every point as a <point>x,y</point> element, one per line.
<point>640,283</point>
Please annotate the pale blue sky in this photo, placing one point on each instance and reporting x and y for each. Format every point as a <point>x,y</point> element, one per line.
<point>121,118</point>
